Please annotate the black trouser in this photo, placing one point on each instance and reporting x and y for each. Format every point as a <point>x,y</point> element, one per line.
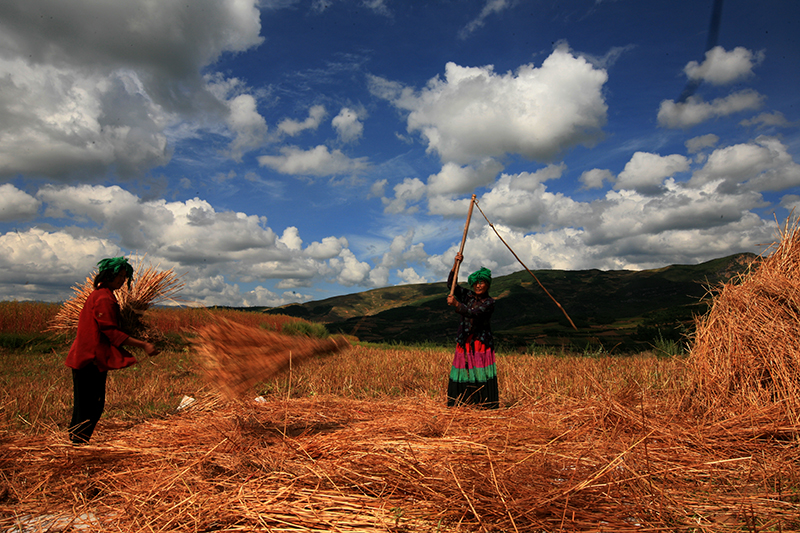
<point>89,392</point>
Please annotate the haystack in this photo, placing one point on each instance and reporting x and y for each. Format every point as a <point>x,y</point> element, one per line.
<point>236,357</point>
<point>148,287</point>
<point>746,351</point>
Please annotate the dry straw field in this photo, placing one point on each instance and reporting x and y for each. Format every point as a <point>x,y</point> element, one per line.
<point>356,438</point>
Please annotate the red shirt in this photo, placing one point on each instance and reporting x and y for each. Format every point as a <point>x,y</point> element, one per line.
<point>99,339</point>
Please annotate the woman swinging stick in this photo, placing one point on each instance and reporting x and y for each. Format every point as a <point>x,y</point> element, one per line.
<point>473,376</point>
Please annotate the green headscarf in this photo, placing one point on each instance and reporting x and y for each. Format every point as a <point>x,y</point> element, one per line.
<point>484,274</point>
<point>116,265</point>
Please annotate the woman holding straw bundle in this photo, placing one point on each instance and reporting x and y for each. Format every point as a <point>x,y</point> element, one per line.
<point>99,347</point>
<point>473,376</point>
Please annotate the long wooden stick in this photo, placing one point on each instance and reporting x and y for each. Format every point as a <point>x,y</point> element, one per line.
<point>526,268</point>
<point>457,264</point>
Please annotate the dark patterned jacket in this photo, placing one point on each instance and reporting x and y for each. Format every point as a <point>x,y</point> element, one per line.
<point>475,314</point>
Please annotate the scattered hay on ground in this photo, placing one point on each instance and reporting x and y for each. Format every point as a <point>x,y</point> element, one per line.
<point>333,464</point>
<point>236,357</point>
<point>746,350</point>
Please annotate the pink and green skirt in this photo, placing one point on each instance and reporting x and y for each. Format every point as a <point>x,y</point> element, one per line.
<point>473,377</point>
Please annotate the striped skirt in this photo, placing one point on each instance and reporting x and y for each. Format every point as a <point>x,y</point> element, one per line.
<point>473,377</point>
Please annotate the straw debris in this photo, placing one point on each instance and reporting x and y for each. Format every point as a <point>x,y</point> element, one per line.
<point>335,464</point>
<point>235,357</point>
<point>746,351</point>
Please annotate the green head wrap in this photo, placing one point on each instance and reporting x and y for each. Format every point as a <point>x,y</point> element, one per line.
<point>116,265</point>
<point>484,274</point>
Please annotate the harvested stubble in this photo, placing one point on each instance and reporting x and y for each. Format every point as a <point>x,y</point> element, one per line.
<point>329,464</point>
<point>746,351</point>
<point>150,286</point>
<point>236,357</point>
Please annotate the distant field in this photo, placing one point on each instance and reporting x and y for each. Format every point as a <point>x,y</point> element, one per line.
<point>32,356</point>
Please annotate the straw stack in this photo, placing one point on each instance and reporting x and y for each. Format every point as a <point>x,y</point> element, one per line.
<point>746,351</point>
<point>149,287</point>
<point>235,357</point>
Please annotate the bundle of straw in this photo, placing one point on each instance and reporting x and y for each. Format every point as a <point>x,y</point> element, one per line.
<point>149,287</point>
<point>235,357</point>
<point>746,350</point>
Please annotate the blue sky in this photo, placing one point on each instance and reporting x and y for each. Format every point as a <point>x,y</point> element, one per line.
<point>288,151</point>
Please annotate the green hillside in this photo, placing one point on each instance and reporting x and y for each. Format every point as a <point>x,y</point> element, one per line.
<point>622,310</point>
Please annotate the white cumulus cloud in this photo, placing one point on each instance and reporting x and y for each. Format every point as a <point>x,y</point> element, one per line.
<point>596,177</point>
<point>645,172</point>
<point>411,190</point>
<point>760,165</point>
<point>249,126</point>
<point>348,125</point>
<point>721,67</point>
<point>763,120</point>
<point>696,144</point>
<point>38,265</point>
<point>16,204</point>
<point>522,201</point>
<point>695,110</point>
<point>455,179</point>
<point>409,276</point>
<point>350,270</point>
<point>293,127</point>
<point>474,113</point>
<point>214,249</point>
<point>94,86</point>
<point>318,161</point>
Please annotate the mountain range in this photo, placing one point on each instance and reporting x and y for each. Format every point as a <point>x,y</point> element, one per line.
<point>597,310</point>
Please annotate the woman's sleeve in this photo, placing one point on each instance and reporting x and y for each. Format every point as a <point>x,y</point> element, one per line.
<point>450,279</point>
<point>106,314</point>
<point>459,292</point>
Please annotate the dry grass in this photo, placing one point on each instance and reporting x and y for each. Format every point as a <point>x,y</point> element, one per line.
<point>361,441</point>
<point>746,352</point>
<point>371,372</point>
<point>617,463</point>
<point>236,357</point>
<point>186,321</point>
<point>150,286</point>
<point>26,317</point>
